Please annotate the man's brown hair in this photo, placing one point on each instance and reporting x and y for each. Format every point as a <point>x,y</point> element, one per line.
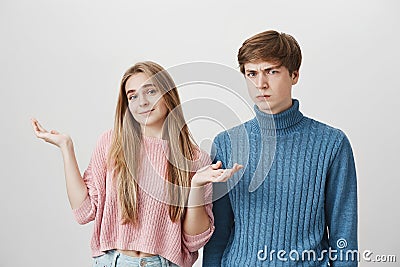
<point>271,46</point>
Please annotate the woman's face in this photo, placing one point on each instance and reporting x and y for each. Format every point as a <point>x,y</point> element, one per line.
<point>146,102</point>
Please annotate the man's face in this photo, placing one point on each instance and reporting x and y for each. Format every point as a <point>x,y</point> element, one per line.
<point>270,85</point>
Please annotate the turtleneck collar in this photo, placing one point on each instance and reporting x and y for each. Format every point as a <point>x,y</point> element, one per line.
<point>280,123</point>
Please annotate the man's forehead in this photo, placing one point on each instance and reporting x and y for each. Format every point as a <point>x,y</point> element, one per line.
<point>261,65</point>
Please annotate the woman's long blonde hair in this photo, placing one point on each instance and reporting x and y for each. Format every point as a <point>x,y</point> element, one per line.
<point>127,142</point>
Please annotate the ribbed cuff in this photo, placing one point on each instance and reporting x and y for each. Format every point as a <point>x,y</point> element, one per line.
<point>195,242</point>
<point>81,213</point>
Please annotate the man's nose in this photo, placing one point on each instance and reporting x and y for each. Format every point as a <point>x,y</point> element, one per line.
<point>262,81</point>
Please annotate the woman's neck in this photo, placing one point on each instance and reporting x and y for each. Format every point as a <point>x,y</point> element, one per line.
<point>152,131</point>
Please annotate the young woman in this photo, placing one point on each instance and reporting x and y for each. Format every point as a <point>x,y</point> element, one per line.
<point>148,186</point>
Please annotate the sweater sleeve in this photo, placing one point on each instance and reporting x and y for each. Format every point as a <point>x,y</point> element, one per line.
<point>93,176</point>
<point>223,219</point>
<point>341,205</point>
<point>195,242</point>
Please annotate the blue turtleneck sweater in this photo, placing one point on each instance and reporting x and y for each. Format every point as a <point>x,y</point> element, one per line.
<point>295,199</point>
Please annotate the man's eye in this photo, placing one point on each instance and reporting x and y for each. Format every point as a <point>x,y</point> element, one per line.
<point>272,72</point>
<point>251,74</point>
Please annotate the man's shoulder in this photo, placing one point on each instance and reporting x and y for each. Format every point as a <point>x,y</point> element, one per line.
<point>327,130</point>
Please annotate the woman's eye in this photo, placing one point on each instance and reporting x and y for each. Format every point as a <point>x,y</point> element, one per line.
<point>132,97</point>
<point>152,91</point>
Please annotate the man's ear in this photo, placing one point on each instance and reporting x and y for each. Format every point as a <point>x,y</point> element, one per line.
<point>295,77</point>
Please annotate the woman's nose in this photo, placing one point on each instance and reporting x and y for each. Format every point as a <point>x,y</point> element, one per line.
<point>143,101</point>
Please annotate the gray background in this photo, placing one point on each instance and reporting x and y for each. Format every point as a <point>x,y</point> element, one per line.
<point>61,62</point>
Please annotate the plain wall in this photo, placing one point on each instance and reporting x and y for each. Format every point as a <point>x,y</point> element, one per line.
<point>62,61</point>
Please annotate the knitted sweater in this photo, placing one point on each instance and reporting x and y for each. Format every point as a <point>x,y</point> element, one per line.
<point>306,199</point>
<point>154,233</point>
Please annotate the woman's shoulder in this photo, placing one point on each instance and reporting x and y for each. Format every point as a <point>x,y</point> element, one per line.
<point>104,139</point>
<point>105,136</point>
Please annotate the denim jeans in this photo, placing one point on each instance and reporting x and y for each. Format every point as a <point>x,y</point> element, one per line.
<point>113,258</point>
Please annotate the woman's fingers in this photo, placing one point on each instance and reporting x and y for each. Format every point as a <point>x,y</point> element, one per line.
<point>39,130</point>
<point>213,173</point>
<point>53,137</point>
<point>217,165</point>
<point>34,125</point>
<point>40,127</point>
<point>229,172</point>
<point>43,135</point>
<point>237,167</point>
<point>224,177</point>
<point>37,126</point>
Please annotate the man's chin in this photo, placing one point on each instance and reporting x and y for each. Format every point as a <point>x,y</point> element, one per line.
<point>264,106</point>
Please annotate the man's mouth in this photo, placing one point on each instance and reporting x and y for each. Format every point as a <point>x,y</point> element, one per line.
<point>263,97</point>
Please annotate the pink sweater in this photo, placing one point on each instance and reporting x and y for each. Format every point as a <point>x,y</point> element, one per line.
<point>154,233</point>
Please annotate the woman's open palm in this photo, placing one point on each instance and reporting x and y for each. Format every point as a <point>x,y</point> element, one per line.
<point>52,137</point>
<point>213,174</point>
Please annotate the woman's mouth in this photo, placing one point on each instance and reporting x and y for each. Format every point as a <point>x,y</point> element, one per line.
<point>146,112</point>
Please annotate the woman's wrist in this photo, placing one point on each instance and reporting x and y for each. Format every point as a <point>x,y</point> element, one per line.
<point>66,145</point>
<point>194,184</point>
<point>196,195</point>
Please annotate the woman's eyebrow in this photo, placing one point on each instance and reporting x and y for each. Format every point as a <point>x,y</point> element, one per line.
<point>130,91</point>
<point>147,85</point>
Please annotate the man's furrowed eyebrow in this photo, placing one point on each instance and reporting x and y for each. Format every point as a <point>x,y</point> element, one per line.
<point>264,69</point>
<point>273,67</point>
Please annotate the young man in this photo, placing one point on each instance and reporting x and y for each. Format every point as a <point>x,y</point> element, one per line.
<point>302,210</point>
